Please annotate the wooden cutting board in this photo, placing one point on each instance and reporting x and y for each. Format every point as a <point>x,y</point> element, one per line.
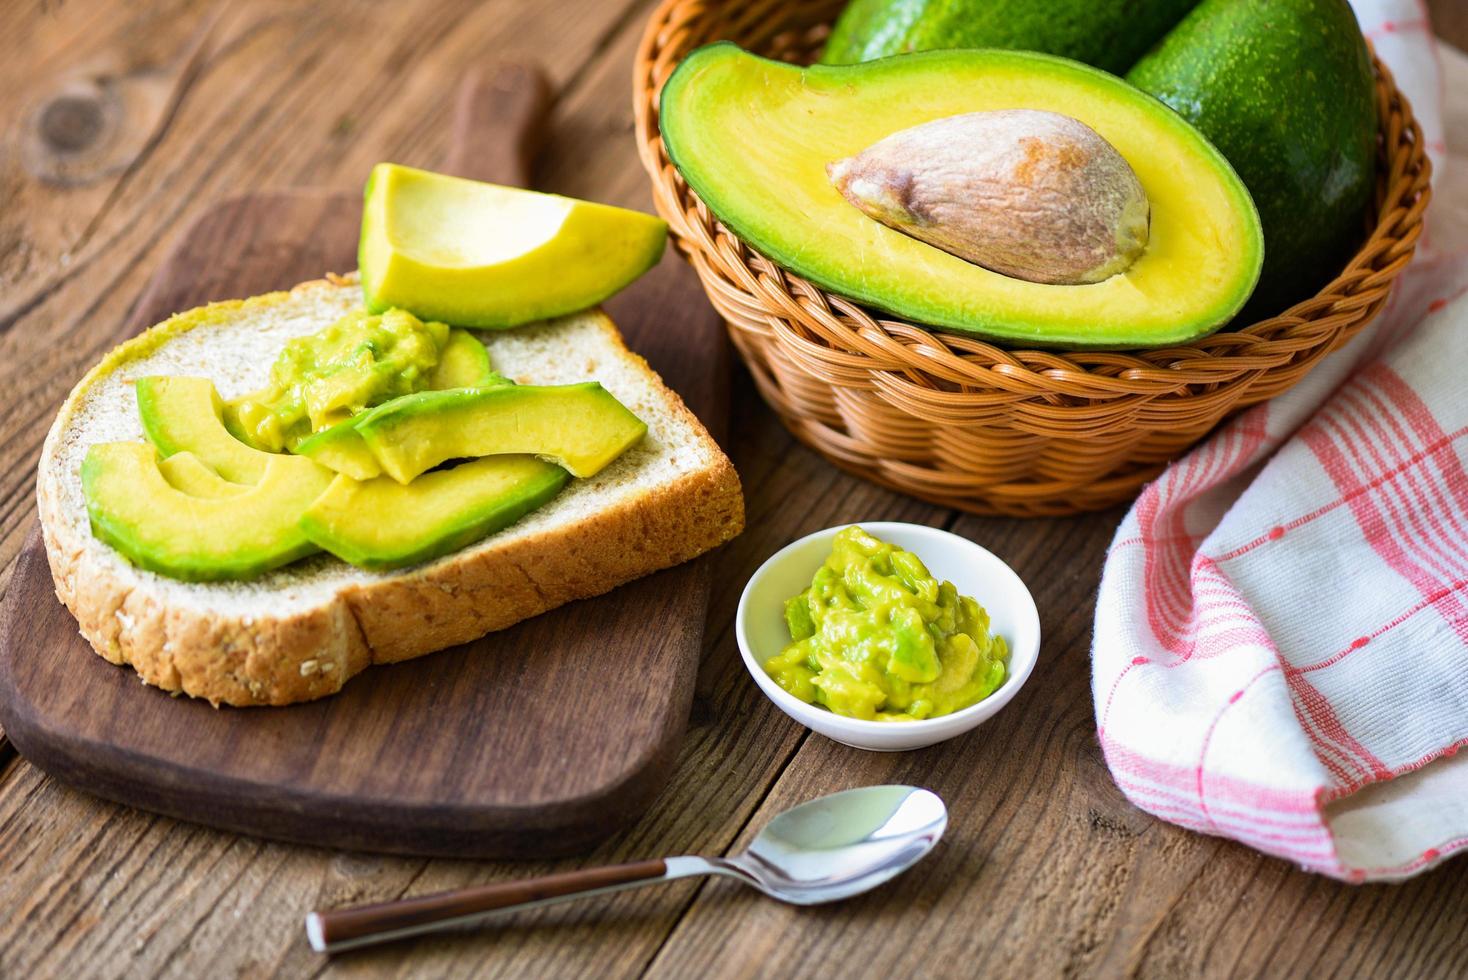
<point>535,741</point>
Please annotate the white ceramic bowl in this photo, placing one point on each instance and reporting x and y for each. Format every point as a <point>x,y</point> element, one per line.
<point>760,628</point>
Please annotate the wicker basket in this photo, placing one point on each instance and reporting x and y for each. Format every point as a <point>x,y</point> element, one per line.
<point>961,422</point>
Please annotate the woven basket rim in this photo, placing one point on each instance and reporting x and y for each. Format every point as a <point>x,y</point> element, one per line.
<point>1079,372</point>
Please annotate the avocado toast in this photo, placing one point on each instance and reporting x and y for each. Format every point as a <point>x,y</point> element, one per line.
<point>300,631</point>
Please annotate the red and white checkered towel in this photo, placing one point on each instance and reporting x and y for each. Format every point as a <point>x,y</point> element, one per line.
<point>1281,645</point>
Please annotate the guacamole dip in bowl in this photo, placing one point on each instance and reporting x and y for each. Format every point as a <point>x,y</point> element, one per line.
<point>957,629</point>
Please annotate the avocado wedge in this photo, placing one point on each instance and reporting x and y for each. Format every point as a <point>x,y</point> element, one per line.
<point>362,522</point>
<point>754,137</point>
<point>481,255</point>
<point>581,426</point>
<point>196,538</point>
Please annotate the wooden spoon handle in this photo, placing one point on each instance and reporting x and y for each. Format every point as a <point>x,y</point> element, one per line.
<point>499,124</point>
<point>342,929</point>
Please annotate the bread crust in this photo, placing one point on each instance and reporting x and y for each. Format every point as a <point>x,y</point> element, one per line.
<point>276,660</point>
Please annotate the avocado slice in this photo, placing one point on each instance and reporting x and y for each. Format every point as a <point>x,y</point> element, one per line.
<point>341,450</point>
<point>753,138</point>
<point>1285,89</point>
<point>481,255</point>
<point>185,471</point>
<point>581,426</point>
<point>463,363</point>
<point>182,414</point>
<point>161,528</point>
<point>1108,35</point>
<point>363,522</point>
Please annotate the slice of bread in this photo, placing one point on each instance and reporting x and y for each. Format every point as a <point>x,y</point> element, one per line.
<point>300,632</point>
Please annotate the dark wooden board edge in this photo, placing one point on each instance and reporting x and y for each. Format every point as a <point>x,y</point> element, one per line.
<point>277,812</point>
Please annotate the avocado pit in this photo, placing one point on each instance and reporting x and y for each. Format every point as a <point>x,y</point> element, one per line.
<point>1034,195</point>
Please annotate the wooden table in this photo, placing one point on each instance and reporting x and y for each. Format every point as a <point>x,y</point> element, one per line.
<point>1046,868</point>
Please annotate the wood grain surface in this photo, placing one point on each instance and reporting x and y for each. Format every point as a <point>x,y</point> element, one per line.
<point>1045,871</point>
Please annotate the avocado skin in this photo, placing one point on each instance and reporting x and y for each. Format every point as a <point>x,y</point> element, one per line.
<point>1284,88</point>
<point>1108,34</point>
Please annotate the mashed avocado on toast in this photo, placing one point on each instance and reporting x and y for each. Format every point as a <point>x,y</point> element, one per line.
<point>345,451</point>
<point>385,438</point>
<point>326,378</point>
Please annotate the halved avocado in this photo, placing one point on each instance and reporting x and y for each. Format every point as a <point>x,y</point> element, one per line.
<point>753,137</point>
<point>182,414</point>
<point>481,255</point>
<point>582,427</point>
<point>185,471</point>
<point>163,529</point>
<point>363,522</point>
<point>463,363</point>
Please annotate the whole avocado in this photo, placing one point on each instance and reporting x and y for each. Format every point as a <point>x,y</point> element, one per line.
<point>1108,34</point>
<point>1284,88</point>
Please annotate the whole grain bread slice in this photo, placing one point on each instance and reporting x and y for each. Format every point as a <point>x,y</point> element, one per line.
<point>302,631</point>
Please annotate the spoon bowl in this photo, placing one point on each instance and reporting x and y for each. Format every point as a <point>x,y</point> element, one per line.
<point>844,844</point>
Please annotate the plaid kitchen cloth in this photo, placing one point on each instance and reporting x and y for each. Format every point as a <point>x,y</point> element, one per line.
<point>1281,641</point>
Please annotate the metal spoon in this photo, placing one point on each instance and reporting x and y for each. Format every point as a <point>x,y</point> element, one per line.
<point>828,849</point>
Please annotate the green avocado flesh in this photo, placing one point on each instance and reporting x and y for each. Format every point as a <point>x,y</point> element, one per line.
<point>323,378</point>
<point>582,427</point>
<point>463,363</point>
<point>198,538</point>
<point>182,414</point>
<point>185,471</point>
<point>1285,89</point>
<point>1105,33</point>
<point>199,504</point>
<point>481,255</point>
<point>362,522</point>
<point>753,138</point>
<point>342,450</point>
<point>876,636</point>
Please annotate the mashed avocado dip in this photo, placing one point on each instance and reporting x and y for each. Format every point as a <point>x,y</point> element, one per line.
<point>359,361</point>
<point>877,637</point>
